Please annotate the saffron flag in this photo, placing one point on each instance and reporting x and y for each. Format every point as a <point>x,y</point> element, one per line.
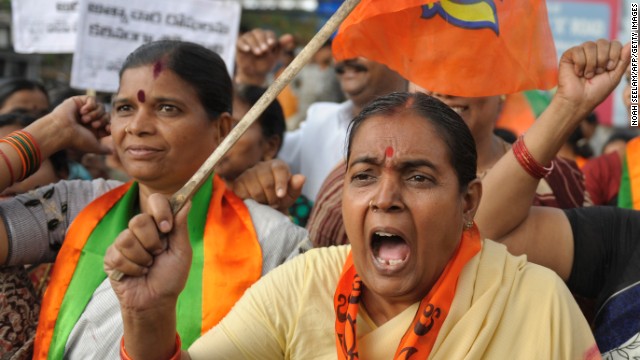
<point>455,47</point>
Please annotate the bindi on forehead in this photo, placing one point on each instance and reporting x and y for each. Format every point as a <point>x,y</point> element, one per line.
<point>141,96</point>
<point>388,152</point>
<point>157,69</point>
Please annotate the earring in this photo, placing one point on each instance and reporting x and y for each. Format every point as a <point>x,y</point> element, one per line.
<point>372,207</point>
<point>126,130</point>
<point>468,225</point>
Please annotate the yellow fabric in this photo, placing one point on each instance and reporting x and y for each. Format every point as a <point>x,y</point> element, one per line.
<point>505,308</point>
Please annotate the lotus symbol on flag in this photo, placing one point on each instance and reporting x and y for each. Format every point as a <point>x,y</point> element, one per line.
<point>469,14</point>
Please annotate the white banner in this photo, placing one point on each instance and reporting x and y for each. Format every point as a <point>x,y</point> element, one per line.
<point>109,30</point>
<point>44,26</point>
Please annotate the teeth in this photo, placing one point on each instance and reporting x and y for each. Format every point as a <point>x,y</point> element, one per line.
<point>389,262</point>
<point>384,234</point>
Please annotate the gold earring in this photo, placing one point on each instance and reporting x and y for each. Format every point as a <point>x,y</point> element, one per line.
<point>468,225</point>
<point>371,206</point>
<point>126,130</point>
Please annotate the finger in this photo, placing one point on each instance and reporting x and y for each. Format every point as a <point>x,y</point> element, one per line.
<point>576,58</point>
<point>623,63</point>
<point>615,52</point>
<point>255,189</point>
<point>93,113</point>
<point>591,58</point>
<point>294,191</point>
<point>144,229</point>
<point>265,39</point>
<point>240,189</point>
<point>287,42</point>
<point>268,186</point>
<point>89,104</point>
<point>159,208</point>
<point>281,175</point>
<point>603,49</point>
<point>115,262</point>
<point>131,248</point>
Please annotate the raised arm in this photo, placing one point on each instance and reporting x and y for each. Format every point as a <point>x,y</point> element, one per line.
<point>76,123</point>
<point>587,75</point>
<point>257,52</point>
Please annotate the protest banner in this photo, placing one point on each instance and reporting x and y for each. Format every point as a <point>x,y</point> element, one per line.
<point>109,30</point>
<point>44,26</point>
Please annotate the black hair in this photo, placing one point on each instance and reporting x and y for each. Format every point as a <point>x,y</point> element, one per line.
<point>505,134</point>
<point>620,135</point>
<point>200,67</point>
<point>10,86</point>
<point>452,129</point>
<point>271,120</point>
<point>58,160</point>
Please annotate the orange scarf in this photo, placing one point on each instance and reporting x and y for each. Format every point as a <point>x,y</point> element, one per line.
<point>228,246</point>
<point>433,309</point>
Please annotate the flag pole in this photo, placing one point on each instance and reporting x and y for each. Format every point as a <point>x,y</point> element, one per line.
<point>186,192</point>
<point>179,198</point>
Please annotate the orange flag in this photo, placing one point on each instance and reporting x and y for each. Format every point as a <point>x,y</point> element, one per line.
<point>455,47</point>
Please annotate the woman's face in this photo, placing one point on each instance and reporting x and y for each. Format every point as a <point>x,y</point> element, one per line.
<point>160,130</point>
<point>479,113</point>
<point>250,149</point>
<point>32,102</point>
<point>400,166</point>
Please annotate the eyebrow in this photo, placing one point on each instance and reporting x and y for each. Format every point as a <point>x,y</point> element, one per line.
<point>155,99</point>
<point>403,165</point>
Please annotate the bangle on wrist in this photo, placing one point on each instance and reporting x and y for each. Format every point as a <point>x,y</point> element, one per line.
<point>28,151</point>
<point>528,162</point>
<point>176,355</point>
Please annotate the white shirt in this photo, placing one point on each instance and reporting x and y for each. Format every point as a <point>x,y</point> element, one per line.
<point>318,145</point>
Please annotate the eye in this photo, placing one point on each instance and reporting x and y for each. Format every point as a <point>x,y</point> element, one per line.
<point>168,108</point>
<point>123,109</point>
<point>421,179</point>
<point>362,178</point>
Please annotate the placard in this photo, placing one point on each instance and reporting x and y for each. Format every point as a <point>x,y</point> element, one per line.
<point>44,26</point>
<point>109,30</point>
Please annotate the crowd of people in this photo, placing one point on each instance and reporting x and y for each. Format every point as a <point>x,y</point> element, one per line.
<point>394,224</point>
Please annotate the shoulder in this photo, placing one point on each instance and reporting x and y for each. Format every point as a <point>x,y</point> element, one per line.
<point>518,268</point>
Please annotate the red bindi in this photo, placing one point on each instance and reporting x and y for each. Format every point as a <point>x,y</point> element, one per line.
<point>141,96</point>
<point>388,152</point>
<point>157,69</point>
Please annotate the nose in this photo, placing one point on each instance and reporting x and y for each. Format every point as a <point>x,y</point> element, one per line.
<point>388,197</point>
<point>140,123</point>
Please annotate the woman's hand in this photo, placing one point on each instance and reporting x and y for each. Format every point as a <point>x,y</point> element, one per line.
<point>270,183</point>
<point>589,72</point>
<point>257,52</point>
<point>154,254</point>
<point>77,123</point>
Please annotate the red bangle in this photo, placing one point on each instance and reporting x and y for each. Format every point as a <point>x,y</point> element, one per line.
<point>527,161</point>
<point>6,161</point>
<point>176,356</point>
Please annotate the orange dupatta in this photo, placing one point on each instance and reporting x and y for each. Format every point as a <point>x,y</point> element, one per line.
<point>434,307</point>
<point>229,246</point>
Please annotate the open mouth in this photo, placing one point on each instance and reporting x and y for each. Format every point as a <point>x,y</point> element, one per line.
<point>389,250</point>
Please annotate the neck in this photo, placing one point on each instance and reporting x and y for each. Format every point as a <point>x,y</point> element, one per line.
<point>381,309</point>
<point>490,150</point>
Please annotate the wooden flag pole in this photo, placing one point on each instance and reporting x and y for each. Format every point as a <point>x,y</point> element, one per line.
<point>186,192</point>
<point>179,198</point>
